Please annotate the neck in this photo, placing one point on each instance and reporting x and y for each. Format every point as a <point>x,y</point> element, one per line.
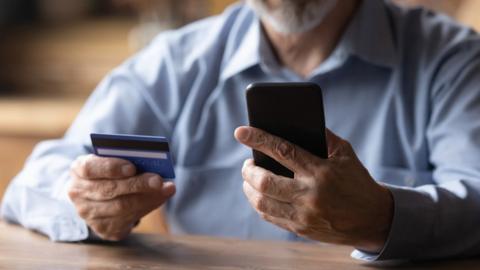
<point>303,52</point>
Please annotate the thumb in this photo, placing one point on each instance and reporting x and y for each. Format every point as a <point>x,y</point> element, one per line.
<point>335,144</point>
<point>168,189</point>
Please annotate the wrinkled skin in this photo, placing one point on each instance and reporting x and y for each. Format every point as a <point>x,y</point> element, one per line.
<point>111,198</point>
<point>331,200</point>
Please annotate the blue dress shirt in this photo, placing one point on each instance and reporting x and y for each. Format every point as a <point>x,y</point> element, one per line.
<point>402,85</point>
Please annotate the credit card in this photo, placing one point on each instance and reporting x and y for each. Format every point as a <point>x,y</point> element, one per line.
<point>147,153</point>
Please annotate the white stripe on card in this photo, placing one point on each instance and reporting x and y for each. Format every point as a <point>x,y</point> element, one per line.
<point>128,153</point>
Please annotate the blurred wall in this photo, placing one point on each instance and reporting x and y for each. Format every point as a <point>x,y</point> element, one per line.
<point>52,58</point>
<point>465,11</point>
<point>54,52</point>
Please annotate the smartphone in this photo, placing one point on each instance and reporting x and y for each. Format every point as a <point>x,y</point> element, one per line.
<point>292,111</point>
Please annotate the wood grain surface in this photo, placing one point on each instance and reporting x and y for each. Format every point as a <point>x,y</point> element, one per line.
<point>21,249</point>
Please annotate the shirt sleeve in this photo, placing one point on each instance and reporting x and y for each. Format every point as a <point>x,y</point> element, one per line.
<point>127,101</point>
<point>440,221</point>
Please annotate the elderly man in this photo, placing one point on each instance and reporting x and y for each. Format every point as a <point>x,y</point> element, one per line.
<point>401,87</point>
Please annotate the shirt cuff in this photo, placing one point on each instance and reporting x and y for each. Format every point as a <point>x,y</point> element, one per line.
<point>409,231</point>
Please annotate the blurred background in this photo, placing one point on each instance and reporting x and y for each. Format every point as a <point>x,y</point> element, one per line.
<point>54,52</point>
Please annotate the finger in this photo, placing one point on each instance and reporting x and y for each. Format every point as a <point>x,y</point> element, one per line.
<point>267,205</point>
<point>95,167</point>
<point>289,155</point>
<point>116,236</point>
<point>267,183</point>
<point>112,229</point>
<point>126,206</point>
<point>168,189</point>
<point>109,189</point>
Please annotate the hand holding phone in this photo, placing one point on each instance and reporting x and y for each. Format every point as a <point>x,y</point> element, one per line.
<point>289,126</point>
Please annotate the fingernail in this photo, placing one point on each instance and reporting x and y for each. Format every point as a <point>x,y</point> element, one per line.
<point>155,182</point>
<point>243,133</point>
<point>127,170</point>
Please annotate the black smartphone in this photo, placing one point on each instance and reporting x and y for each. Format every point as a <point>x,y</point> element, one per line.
<point>292,111</point>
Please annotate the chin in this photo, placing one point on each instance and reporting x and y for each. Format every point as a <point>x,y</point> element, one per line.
<point>293,16</point>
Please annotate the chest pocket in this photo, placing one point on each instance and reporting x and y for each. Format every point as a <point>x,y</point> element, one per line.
<point>401,176</point>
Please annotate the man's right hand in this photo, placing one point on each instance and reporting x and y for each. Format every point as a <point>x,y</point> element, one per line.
<point>111,198</point>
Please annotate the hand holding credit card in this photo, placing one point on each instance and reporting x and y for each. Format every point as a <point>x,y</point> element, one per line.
<point>147,153</point>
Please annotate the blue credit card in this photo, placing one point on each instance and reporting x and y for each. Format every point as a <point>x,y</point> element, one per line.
<point>148,153</point>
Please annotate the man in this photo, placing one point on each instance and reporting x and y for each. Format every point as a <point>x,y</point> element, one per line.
<point>400,86</point>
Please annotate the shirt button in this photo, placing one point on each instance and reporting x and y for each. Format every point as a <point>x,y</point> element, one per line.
<point>409,181</point>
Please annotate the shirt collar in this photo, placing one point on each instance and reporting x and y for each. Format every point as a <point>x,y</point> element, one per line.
<point>368,36</point>
<point>243,54</point>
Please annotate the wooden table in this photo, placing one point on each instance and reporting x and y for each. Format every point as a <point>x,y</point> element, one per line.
<point>21,249</point>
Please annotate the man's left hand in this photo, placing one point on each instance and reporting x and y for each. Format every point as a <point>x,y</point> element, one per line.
<point>331,200</point>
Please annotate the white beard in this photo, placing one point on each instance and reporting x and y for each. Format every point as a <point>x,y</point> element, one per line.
<point>293,16</point>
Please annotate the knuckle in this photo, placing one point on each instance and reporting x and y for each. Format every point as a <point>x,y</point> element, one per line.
<point>135,184</point>
<point>73,193</point>
<point>83,211</point>
<point>260,139</point>
<point>265,217</point>
<point>86,164</point>
<point>83,170</point>
<point>285,150</point>
<point>261,204</point>
<point>245,173</point>
<point>108,189</point>
<point>266,182</point>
